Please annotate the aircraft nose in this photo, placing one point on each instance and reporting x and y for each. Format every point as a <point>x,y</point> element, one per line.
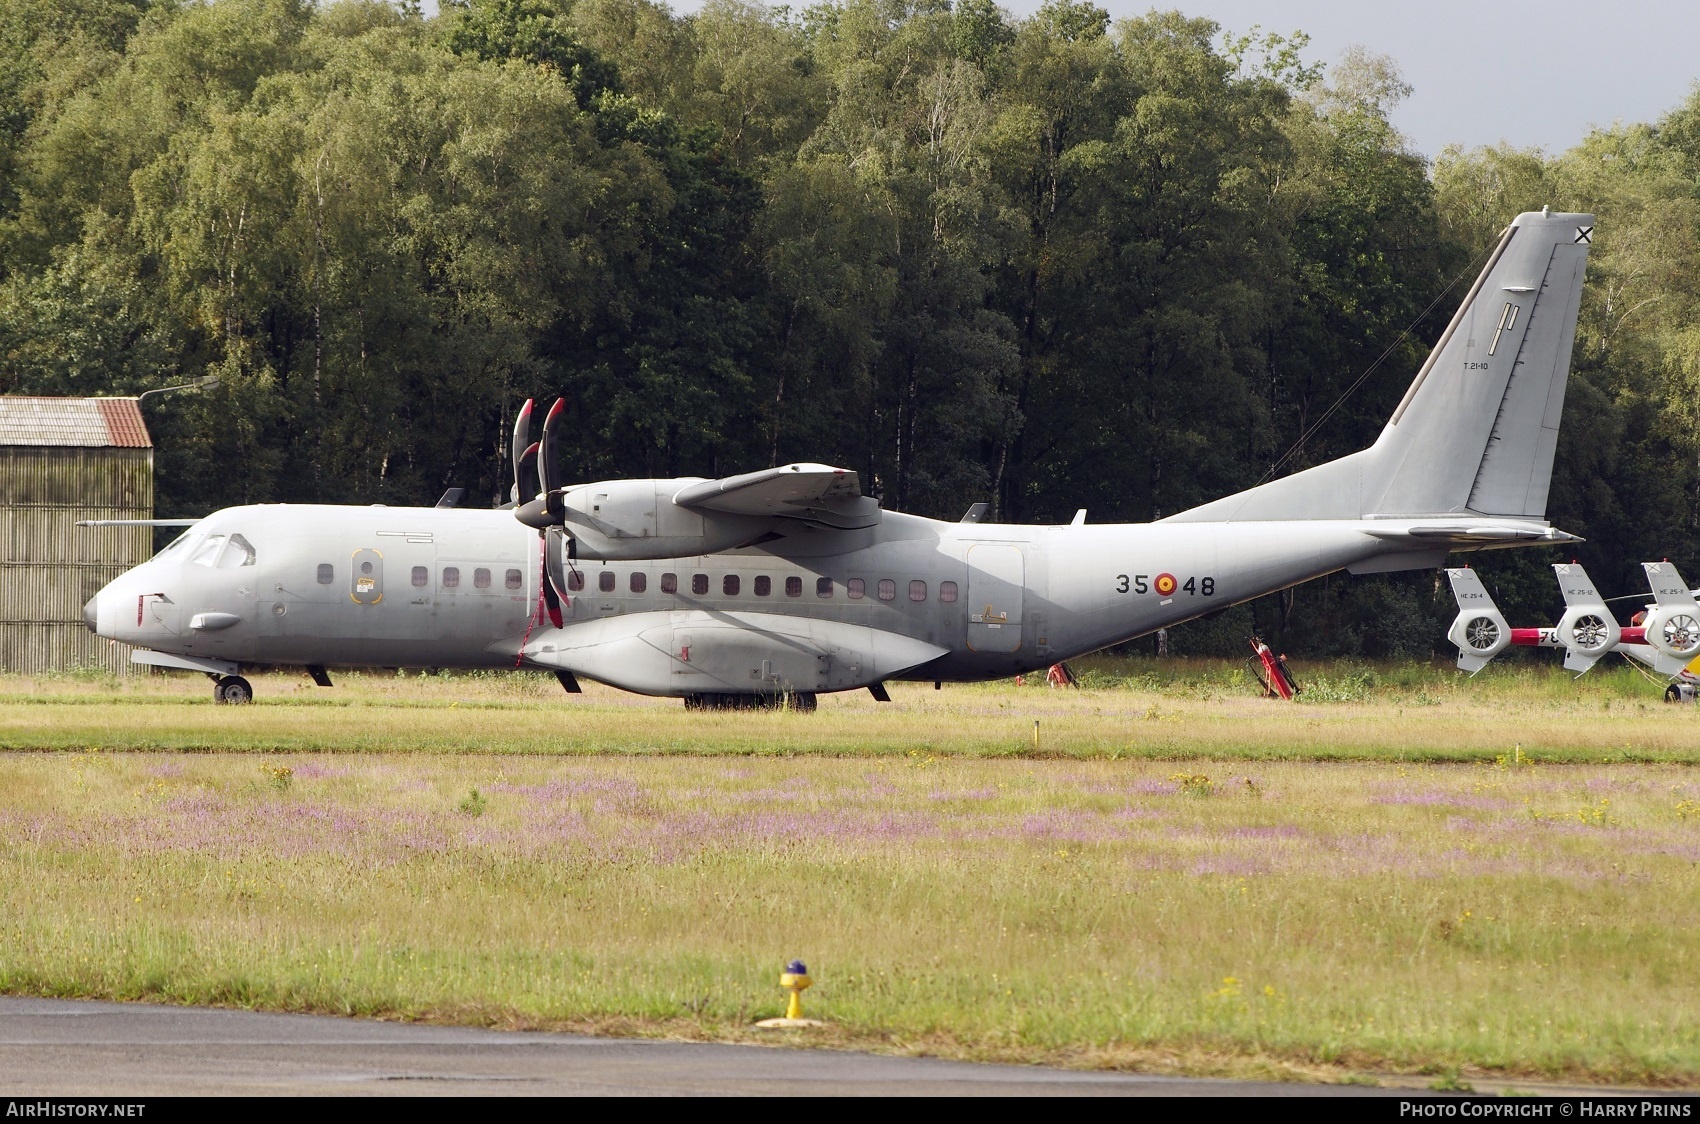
<point>91,613</point>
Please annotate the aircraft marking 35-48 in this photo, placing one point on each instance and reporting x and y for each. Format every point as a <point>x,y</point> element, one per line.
<point>1165,585</point>
<point>843,594</point>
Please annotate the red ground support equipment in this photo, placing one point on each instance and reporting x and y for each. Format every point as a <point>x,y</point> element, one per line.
<point>1276,679</point>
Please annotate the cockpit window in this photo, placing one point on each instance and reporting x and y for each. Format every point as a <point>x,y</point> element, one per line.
<point>240,552</point>
<point>207,553</point>
<point>177,543</point>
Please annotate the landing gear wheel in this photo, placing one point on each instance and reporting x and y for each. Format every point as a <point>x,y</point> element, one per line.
<point>802,701</point>
<point>232,690</point>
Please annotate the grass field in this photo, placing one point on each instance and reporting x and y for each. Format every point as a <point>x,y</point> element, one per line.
<point>1176,710</point>
<point>1420,876</point>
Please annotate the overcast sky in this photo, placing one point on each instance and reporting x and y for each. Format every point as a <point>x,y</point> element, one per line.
<point>1484,71</point>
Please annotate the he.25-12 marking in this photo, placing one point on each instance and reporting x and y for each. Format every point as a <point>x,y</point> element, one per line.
<point>1166,585</point>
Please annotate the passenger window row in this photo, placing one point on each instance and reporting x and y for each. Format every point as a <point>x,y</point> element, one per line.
<point>731,585</point>
<point>421,576</point>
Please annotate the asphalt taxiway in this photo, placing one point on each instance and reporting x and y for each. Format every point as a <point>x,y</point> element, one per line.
<point>54,1047</point>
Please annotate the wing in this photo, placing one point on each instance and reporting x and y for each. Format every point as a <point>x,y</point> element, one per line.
<point>814,492</point>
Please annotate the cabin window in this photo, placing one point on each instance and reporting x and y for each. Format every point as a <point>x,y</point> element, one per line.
<point>239,553</point>
<point>639,581</point>
<point>481,578</point>
<point>207,553</point>
<point>729,585</point>
<point>699,584</point>
<point>888,590</point>
<point>575,580</point>
<point>669,583</point>
<point>855,589</point>
<point>793,587</point>
<point>514,579</point>
<point>605,581</point>
<point>763,586</point>
<point>823,588</point>
<point>917,590</point>
<point>421,576</point>
<point>947,591</point>
<point>327,573</point>
<point>451,577</point>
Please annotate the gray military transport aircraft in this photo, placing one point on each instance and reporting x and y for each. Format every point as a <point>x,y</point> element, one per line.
<point>786,582</point>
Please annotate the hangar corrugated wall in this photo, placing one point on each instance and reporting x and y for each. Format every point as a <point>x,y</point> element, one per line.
<point>63,460</point>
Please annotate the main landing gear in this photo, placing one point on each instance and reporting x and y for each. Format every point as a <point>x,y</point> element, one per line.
<point>232,690</point>
<point>799,701</point>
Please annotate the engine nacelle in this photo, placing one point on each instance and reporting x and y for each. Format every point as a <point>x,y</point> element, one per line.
<point>1478,631</point>
<point>632,520</point>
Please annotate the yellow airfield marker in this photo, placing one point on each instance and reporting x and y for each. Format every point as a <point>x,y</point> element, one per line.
<point>794,978</point>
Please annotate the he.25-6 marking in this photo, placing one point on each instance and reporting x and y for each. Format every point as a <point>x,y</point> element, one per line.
<point>1166,585</point>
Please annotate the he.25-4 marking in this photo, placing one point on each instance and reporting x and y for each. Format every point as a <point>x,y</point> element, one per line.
<point>1166,585</point>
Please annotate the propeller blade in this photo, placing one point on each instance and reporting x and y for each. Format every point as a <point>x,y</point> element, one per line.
<point>527,465</point>
<point>555,578</point>
<point>522,439</point>
<point>552,602</point>
<point>549,462</point>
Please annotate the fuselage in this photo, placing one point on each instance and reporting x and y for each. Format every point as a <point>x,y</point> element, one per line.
<point>822,609</point>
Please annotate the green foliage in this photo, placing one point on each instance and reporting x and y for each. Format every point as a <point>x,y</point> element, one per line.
<point>473,803</point>
<point>1050,261</point>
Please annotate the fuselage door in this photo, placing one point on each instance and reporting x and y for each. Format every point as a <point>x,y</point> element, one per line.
<point>366,575</point>
<point>996,584</point>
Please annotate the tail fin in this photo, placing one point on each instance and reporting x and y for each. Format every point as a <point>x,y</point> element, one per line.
<point>1479,631</point>
<point>1477,429</point>
<point>1667,585</point>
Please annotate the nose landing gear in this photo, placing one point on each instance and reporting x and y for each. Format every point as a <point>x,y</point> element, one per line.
<point>232,690</point>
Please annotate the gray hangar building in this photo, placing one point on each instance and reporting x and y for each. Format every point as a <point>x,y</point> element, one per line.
<point>62,460</point>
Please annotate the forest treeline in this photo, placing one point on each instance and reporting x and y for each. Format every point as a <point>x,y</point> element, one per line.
<point>1051,262</point>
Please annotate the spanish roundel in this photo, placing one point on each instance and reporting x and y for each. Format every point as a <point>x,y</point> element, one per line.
<point>1165,584</point>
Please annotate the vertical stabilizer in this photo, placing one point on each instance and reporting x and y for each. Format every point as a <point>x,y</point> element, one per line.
<point>1667,585</point>
<point>1477,429</point>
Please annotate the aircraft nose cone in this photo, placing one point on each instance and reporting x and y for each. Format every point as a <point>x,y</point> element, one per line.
<point>91,613</point>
